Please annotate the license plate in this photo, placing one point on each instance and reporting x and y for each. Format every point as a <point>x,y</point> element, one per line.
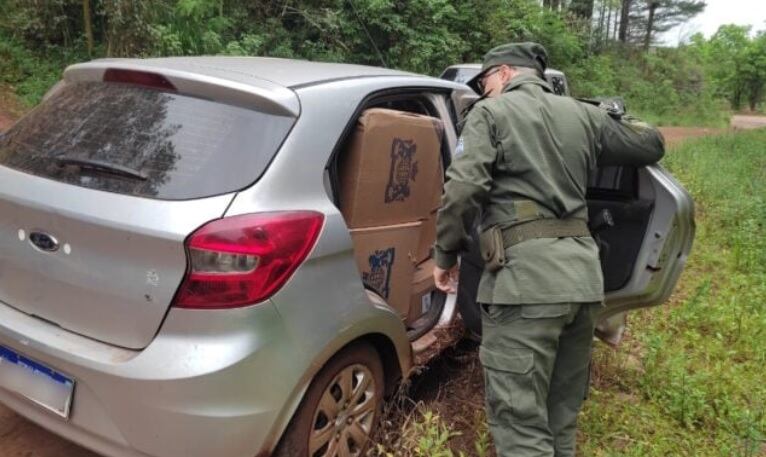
<point>36,382</point>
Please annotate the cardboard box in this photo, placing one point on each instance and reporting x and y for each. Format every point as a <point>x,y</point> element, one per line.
<point>427,238</point>
<point>428,234</point>
<point>390,168</point>
<point>384,256</point>
<point>436,202</point>
<point>422,286</point>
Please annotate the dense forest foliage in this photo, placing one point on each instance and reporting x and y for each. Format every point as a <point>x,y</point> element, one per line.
<point>607,47</point>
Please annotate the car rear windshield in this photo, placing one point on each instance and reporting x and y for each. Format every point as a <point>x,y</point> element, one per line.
<point>143,142</point>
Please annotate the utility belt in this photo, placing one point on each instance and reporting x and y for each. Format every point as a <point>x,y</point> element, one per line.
<point>495,240</point>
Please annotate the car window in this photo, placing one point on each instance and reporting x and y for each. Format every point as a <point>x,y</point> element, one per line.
<point>408,105</point>
<point>613,182</point>
<point>136,141</point>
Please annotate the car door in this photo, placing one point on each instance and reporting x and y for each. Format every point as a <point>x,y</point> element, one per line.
<point>643,251</point>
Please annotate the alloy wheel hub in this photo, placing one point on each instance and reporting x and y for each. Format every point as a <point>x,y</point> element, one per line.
<point>345,414</point>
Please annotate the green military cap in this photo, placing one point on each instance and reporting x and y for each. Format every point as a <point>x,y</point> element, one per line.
<point>526,54</point>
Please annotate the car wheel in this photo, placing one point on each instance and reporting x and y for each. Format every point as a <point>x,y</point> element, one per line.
<point>341,409</point>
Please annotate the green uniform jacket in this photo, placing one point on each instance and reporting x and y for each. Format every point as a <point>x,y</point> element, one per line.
<point>530,144</point>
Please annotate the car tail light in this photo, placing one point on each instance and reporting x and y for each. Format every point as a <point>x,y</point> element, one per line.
<point>243,260</point>
<point>139,78</point>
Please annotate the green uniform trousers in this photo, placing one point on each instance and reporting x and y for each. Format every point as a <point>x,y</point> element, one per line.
<point>536,360</point>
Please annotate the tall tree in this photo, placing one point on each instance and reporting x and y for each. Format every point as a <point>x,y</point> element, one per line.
<point>602,16</point>
<point>726,54</point>
<point>624,20</point>
<point>128,26</point>
<point>553,5</point>
<point>609,21</point>
<point>582,9</point>
<point>649,18</point>
<point>652,7</point>
<point>87,20</point>
<point>754,71</point>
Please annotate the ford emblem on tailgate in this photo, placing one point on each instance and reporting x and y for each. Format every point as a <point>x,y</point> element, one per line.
<point>44,242</point>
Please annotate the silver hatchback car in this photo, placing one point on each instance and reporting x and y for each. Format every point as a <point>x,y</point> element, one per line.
<point>176,277</point>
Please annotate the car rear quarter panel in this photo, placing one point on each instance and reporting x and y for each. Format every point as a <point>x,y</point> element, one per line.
<point>325,297</point>
<point>324,305</point>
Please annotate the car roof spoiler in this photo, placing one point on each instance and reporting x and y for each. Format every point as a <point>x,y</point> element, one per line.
<point>209,83</point>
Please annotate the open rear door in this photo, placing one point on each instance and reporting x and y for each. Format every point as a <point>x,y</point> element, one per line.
<point>644,252</point>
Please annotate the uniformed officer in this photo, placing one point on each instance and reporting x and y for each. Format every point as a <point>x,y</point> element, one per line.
<point>522,165</point>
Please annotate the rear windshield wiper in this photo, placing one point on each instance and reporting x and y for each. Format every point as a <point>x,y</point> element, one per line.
<point>98,165</point>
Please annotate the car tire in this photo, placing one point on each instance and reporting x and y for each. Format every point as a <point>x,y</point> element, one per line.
<point>341,408</point>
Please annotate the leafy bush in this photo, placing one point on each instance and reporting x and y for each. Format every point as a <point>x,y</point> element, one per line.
<point>32,74</point>
<point>671,86</point>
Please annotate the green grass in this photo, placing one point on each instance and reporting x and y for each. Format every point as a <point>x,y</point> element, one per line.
<point>689,380</point>
<point>426,436</point>
<point>699,387</point>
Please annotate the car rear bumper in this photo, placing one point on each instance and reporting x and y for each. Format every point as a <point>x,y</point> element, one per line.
<point>209,384</point>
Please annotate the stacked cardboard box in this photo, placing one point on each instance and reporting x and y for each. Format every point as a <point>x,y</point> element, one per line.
<point>428,231</point>
<point>383,255</point>
<point>423,282</point>
<point>389,176</point>
<point>422,287</point>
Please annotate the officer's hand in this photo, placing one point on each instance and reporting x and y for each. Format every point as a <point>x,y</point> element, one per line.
<point>446,280</point>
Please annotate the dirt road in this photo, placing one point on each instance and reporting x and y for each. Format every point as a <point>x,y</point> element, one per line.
<point>742,121</point>
<point>10,107</point>
<point>5,122</point>
<point>675,135</point>
<point>21,438</point>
